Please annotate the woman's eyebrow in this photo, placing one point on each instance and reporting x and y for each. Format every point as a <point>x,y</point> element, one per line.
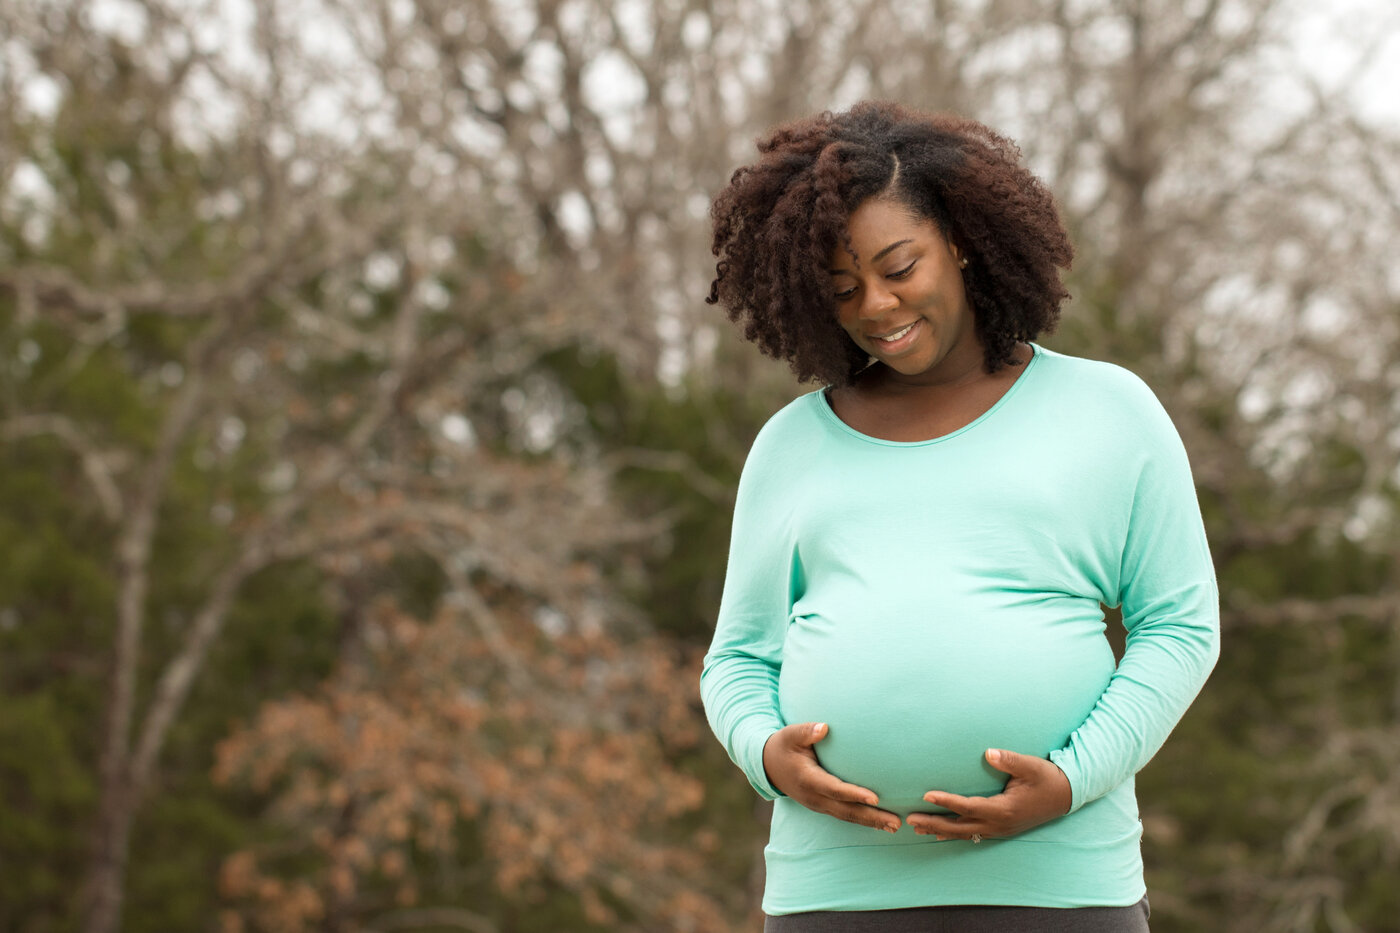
<point>888,249</point>
<point>880,255</point>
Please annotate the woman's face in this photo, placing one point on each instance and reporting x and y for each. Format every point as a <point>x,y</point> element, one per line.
<point>904,303</point>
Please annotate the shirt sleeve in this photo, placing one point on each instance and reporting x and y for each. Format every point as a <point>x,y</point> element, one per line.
<point>1170,602</point>
<point>739,680</point>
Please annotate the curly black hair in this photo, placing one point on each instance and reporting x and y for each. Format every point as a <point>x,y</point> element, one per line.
<point>777,222</point>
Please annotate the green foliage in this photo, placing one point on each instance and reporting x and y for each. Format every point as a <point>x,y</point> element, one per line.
<point>182,835</point>
<point>48,793</point>
<point>57,593</point>
<point>703,434</point>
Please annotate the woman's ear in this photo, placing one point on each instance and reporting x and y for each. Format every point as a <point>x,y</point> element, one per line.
<point>956,251</point>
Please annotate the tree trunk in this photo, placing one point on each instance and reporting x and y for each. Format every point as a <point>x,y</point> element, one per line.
<point>116,800</point>
<point>106,875</point>
<point>121,789</point>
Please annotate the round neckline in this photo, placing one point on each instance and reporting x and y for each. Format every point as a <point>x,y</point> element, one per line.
<point>829,413</point>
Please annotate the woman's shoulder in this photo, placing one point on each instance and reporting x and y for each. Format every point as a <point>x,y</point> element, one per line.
<point>799,417</point>
<point>784,449</point>
<point>1088,373</point>
<point>1107,395</point>
<point>1092,380</point>
<point>791,428</point>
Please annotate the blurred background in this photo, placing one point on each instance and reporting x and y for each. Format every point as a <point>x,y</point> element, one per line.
<point>367,449</point>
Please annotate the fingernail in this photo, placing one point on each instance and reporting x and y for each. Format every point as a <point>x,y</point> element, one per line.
<point>818,727</point>
<point>891,829</point>
<point>993,754</point>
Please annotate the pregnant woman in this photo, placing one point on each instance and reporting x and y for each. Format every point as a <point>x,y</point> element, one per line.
<point>910,655</point>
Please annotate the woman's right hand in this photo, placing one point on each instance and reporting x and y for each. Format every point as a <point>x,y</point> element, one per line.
<point>792,766</point>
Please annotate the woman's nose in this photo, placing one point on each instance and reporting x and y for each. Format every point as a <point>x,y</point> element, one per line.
<point>876,302</point>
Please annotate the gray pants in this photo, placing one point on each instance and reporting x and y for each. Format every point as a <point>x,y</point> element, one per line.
<point>967,920</point>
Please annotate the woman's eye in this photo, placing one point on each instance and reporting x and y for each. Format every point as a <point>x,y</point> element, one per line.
<point>903,272</point>
<point>843,295</point>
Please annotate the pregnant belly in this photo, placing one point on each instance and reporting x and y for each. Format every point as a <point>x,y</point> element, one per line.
<point>915,709</point>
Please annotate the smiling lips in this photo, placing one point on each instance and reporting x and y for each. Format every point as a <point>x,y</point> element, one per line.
<point>894,339</point>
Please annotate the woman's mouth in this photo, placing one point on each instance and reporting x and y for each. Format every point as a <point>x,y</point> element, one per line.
<point>897,339</point>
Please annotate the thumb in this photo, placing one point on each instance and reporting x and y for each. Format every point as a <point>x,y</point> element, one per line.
<point>1012,763</point>
<point>810,733</point>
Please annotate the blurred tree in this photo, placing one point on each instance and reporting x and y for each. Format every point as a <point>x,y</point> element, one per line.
<point>405,303</point>
<point>262,345</point>
<point>560,762</point>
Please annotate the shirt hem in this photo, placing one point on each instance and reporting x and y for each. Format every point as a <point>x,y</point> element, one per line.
<point>1000,872</point>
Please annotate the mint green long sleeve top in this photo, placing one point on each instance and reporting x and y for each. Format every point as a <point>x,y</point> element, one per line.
<point>931,600</point>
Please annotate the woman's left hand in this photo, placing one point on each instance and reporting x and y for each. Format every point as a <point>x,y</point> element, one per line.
<point>1036,793</point>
